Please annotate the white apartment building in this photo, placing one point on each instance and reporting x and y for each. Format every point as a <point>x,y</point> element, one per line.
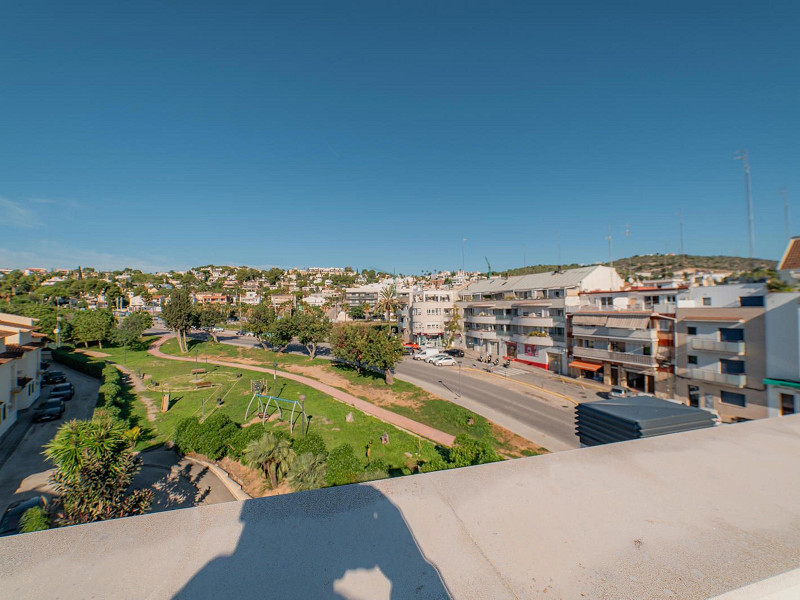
<point>523,318</point>
<point>425,314</point>
<point>250,297</point>
<point>368,293</point>
<point>783,354</point>
<point>20,362</point>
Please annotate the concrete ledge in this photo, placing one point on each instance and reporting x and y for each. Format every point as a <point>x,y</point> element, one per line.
<point>691,515</point>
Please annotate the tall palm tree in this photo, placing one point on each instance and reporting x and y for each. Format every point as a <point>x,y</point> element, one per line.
<point>272,454</point>
<point>387,301</point>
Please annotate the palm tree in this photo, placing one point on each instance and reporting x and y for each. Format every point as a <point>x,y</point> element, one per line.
<point>387,301</point>
<point>308,472</point>
<point>272,454</point>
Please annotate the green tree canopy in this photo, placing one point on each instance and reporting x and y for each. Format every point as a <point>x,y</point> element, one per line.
<point>179,315</point>
<point>312,327</point>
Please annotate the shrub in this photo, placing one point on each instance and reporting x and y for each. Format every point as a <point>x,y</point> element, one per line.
<point>79,362</point>
<point>343,466</point>
<point>188,434</point>
<point>468,451</point>
<point>217,432</point>
<point>242,437</point>
<point>312,443</point>
<point>307,472</point>
<point>107,412</point>
<point>34,519</point>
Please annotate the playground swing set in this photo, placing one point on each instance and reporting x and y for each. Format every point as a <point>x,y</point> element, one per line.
<point>281,404</point>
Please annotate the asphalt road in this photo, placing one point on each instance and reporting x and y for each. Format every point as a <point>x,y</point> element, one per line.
<point>26,471</point>
<point>537,416</point>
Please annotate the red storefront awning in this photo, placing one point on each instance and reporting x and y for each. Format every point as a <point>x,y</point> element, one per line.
<point>586,366</point>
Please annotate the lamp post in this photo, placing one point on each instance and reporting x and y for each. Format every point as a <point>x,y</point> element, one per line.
<point>459,378</point>
<point>275,379</point>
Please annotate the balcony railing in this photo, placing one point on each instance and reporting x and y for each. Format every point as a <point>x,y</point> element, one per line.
<point>619,357</point>
<point>714,377</point>
<point>642,335</point>
<point>486,319</point>
<point>533,340</point>
<point>715,346</point>
<point>482,334</point>
<point>533,321</point>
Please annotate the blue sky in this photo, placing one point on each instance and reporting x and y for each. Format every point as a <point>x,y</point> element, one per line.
<point>376,134</point>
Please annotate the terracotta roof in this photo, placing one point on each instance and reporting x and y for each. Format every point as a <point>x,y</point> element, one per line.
<point>18,325</point>
<point>791,258</point>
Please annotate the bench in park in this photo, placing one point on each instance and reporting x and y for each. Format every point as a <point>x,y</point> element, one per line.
<point>203,384</point>
<point>198,371</point>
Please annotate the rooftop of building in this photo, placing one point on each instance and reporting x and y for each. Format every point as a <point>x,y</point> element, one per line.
<point>536,281</point>
<point>689,515</point>
<point>791,257</point>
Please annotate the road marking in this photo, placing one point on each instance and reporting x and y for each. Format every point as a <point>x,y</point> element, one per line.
<point>536,387</point>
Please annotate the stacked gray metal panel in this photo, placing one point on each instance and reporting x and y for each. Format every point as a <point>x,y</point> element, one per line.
<point>621,419</point>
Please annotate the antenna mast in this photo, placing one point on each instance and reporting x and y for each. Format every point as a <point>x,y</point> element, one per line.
<point>743,157</point>
<point>786,221</point>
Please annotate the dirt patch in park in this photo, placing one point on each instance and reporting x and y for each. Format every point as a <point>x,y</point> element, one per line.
<point>92,353</point>
<point>514,446</point>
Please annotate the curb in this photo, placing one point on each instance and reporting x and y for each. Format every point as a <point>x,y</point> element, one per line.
<point>234,488</point>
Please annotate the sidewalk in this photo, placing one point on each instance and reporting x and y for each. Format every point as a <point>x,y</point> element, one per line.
<point>404,423</point>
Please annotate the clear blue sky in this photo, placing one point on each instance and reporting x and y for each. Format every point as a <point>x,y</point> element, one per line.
<point>376,134</point>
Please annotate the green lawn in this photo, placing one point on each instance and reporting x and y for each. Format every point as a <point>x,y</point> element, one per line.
<point>328,415</point>
<point>267,357</point>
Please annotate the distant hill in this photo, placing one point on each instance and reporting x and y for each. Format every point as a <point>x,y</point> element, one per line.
<point>665,264</point>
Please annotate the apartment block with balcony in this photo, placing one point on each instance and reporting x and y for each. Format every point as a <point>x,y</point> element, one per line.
<point>523,318</point>
<point>357,296</point>
<point>633,349</point>
<point>20,361</point>
<point>425,314</point>
<point>721,360</point>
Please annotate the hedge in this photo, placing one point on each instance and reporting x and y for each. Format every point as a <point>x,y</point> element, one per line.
<point>79,362</point>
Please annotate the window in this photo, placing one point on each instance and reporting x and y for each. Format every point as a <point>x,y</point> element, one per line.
<point>691,359</point>
<point>787,404</point>
<point>751,301</point>
<point>691,331</point>
<point>706,301</point>
<point>727,334</point>
<point>731,367</point>
<point>733,398</point>
<point>694,395</point>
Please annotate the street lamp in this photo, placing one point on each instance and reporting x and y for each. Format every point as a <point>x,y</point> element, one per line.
<point>275,379</point>
<point>459,378</point>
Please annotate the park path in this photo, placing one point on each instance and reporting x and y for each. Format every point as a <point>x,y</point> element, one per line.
<point>140,389</point>
<point>387,416</point>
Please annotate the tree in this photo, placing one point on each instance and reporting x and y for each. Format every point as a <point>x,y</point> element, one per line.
<point>312,327</point>
<point>92,326</point>
<point>271,453</point>
<point>347,344</point>
<point>383,351</point>
<point>208,317</point>
<point>95,463</point>
<point>260,322</point>
<point>307,472</point>
<point>356,312</point>
<point>282,332</point>
<point>453,328</point>
<point>274,275</point>
<point>179,316</point>
<point>132,327</point>
<point>387,301</point>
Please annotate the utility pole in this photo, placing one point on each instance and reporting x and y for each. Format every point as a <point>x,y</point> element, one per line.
<point>751,234</point>
<point>786,221</point>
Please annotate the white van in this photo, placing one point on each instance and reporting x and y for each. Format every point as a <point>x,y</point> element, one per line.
<point>425,353</point>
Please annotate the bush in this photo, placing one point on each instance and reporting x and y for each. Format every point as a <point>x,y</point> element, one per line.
<point>312,443</point>
<point>188,434</point>
<point>79,362</point>
<point>34,519</point>
<point>307,472</point>
<point>107,412</point>
<point>343,466</point>
<point>241,438</point>
<point>467,451</point>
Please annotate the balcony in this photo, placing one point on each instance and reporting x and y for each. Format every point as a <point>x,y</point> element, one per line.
<point>642,360</point>
<point>723,378</point>
<point>481,319</point>
<point>639,335</point>
<point>482,334</point>
<point>533,340</point>
<point>533,321</point>
<point>715,346</point>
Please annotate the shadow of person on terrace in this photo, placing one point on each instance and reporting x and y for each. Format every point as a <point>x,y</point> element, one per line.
<point>348,542</point>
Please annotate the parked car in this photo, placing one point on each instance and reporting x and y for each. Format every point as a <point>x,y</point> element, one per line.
<point>9,524</point>
<point>620,392</point>
<point>434,357</point>
<point>457,352</point>
<point>445,361</point>
<point>51,410</point>
<point>217,329</point>
<point>63,390</point>
<point>425,353</point>
<point>54,377</point>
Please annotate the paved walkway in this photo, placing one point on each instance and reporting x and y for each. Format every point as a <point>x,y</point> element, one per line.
<point>404,423</point>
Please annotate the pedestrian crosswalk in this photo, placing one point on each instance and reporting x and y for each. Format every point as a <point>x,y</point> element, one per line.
<point>507,371</point>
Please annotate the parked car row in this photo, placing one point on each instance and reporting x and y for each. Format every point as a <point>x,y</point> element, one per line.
<point>54,406</point>
<point>437,356</point>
